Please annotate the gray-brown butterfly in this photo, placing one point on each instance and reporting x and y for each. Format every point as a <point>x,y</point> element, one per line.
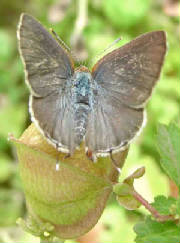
<point>104,106</point>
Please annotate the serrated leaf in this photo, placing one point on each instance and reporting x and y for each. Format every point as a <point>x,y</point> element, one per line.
<point>151,231</point>
<point>168,142</point>
<point>164,205</point>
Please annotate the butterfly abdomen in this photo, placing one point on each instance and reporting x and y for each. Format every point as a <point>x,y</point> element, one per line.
<point>81,117</point>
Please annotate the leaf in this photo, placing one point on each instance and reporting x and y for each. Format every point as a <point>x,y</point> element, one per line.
<point>135,175</point>
<point>154,232</point>
<point>168,142</point>
<point>128,202</point>
<point>72,197</point>
<point>125,197</point>
<point>64,197</point>
<point>125,190</point>
<point>164,205</point>
<point>122,189</point>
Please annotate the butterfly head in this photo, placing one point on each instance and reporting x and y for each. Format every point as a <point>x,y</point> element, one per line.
<point>82,69</point>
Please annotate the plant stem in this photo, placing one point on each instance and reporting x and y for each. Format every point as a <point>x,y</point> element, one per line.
<point>81,20</point>
<point>151,209</point>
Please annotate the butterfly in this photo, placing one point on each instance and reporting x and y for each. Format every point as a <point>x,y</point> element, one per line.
<point>103,107</point>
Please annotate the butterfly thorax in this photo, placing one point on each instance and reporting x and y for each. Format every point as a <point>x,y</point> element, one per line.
<point>82,89</point>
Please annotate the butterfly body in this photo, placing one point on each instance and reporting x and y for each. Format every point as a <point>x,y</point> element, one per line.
<point>80,88</point>
<point>104,107</point>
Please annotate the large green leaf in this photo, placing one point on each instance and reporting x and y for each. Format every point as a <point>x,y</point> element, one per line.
<point>168,142</point>
<point>71,198</point>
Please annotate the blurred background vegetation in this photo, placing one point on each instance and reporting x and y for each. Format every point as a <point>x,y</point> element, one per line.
<point>88,27</point>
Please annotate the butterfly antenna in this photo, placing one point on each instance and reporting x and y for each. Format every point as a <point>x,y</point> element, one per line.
<point>112,44</point>
<point>62,43</point>
<point>107,48</point>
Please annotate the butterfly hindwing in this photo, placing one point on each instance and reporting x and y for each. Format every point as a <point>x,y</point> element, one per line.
<point>112,126</point>
<point>56,118</point>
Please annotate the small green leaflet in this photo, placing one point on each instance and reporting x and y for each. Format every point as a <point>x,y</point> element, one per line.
<point>124,191</point>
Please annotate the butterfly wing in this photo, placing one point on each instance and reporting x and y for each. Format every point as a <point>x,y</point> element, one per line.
<point>48,68</point>
<point>130,72</point>
<point>54,115</point>
<point>47,65</point>
<point>112,126</point>
<point>125,79</point>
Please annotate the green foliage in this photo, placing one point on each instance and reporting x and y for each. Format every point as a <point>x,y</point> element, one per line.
<point>168,142</point>
<point>165,205</point>
<point>155,232</point>
<point>10,206</point>
<point>126,14</point>
<point>6,168</point>
<point>177,205</point>
<point>6,43</point>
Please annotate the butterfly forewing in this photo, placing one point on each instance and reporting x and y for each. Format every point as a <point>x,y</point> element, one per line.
<point>47,65</point>
<point>130,72</point>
